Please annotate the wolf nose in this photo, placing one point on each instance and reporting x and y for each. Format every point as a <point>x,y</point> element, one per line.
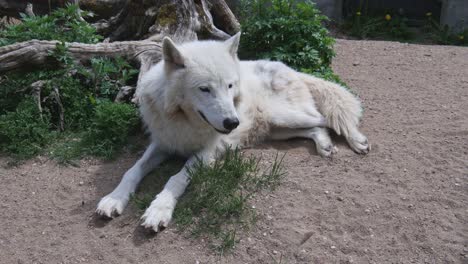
<point>230,123</point>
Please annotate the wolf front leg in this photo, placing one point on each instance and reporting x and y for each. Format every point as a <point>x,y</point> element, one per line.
<point>159,213</point>
<point>115,202</point>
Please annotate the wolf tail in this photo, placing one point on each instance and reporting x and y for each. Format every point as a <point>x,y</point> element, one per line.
<point>341,109</point>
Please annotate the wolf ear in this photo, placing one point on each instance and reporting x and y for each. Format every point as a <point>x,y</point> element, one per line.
<point>233,44</point>
<point>171,54</point>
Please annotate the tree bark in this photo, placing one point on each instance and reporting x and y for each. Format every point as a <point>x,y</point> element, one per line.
<point>151,20</point>
<point>32,53</point>
<point>137,19</point>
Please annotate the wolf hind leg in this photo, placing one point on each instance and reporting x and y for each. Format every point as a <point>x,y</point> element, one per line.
<point>288,117</point>
<point>319,135</point>
<point>357,141</point>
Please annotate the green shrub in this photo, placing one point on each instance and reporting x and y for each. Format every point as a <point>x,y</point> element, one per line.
<point>109,75</point>
<point>24,132</point>
<point>443,34</point>
<point>75,98</point>
<point>63,24</point>
<point>108,132</point>
<point>110,128</point>
<point>286,31</point>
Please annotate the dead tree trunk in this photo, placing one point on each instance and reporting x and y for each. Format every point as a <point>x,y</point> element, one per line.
<point>148,21</point>
<point>133,20</point>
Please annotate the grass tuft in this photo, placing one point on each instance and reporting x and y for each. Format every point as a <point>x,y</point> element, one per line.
<point>216,203</point>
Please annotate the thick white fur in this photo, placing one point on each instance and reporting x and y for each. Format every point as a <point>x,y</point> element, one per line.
<point>186,97</point>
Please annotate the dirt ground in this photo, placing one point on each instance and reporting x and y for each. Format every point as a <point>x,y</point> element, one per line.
<point>405,202</point>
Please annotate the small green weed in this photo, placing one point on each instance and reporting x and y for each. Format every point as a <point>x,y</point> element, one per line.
<point>215,204</point>
<point>392,26</point>
<point>387,26</point>
<point>443,34</point>
<point>216,201</point>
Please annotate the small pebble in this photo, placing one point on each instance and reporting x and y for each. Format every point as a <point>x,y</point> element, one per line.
<point>327,192</point>
<point>333,247</point>
<point>81,183</point>
<point>275,252</point>
<point>265,234</point>
<point>339,198</point>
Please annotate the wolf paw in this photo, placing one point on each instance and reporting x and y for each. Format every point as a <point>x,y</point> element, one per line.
<point>109,206</point>
<point>327,151</point>
<point>159,214</point>
<point>360,146</point>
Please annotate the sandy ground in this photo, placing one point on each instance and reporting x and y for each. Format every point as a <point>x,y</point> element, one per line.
<point>406,202</point>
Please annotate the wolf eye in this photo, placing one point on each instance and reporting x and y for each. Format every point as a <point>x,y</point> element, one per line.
<point>204,89</point>
<point>230,85</point>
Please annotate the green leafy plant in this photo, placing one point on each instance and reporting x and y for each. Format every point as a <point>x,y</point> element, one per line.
<point>63,24</point>
<point>382,26</point>
<point>109,75</point>
<point>75,100</point>
<point>442,34</point>
<point>287,31</point>
<point>110,128</point>
<point>25,131</point>
<point>216,203</point>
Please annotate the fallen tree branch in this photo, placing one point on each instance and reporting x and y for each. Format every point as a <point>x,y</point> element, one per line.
<point>224,17</point>
<point>36,93</point>
<point>61,109</point>
<point>124,94</point>
<point>14,56</point>
<point>29,10</point>
<point>37,52</point>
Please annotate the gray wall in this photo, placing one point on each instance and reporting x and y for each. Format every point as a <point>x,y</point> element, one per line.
<point>455,14</point>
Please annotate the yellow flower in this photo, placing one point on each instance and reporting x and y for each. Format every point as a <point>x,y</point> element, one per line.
<point>358,13</point>
<point>461,37</point>
<point>388,17</point>
<point>428,14</point>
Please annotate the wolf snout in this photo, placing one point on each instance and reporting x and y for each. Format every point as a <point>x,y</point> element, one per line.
<point>230,123</point>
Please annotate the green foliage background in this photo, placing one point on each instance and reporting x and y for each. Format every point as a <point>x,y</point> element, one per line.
<point>289,31</point>
<point>97,125</point>
<point>92,124</point>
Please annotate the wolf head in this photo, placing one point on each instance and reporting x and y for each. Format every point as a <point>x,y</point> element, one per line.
<point>203,81</point>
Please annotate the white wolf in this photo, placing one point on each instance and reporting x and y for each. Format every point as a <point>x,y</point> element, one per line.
<point>200,98</point>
